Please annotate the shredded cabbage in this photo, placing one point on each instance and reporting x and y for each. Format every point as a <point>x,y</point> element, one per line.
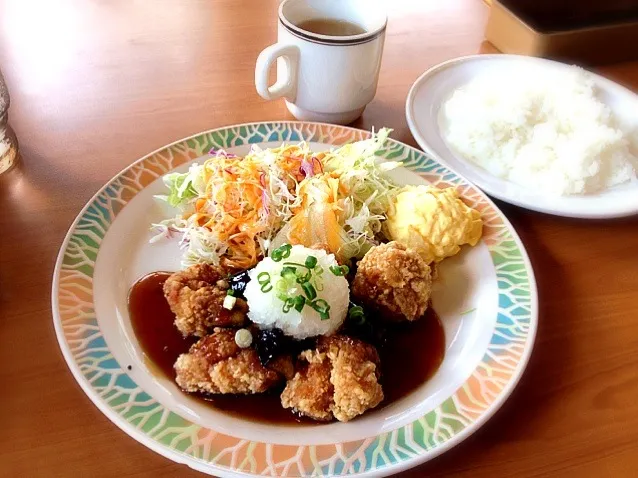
<point>370,192</point>
<point>183,187</point>
<point>232,210</point>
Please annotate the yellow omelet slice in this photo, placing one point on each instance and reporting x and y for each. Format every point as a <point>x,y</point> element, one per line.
<point>433,221</point>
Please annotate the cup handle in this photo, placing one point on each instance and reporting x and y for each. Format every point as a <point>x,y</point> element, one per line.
<point>284,86</point>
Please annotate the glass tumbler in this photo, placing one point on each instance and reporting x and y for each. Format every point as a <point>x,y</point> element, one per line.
<point>8,140</point>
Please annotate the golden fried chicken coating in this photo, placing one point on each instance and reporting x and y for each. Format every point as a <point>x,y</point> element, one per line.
<point>393,280</point>
<point>340,379</point>
<point>196,297</point>
<point>310,392</point>
<point>216,364</point>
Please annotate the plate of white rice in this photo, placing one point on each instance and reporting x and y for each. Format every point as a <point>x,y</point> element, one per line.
<point>536,133</point>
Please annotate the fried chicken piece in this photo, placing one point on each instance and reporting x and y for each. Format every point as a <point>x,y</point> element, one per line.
<point>393,280</point>
<point>310,392</point>
<point>196,297</point>
<point>216,364</point>
<point>339,379</point>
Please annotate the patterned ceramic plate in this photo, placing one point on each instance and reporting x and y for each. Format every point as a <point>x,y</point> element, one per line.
<point>485,296</point>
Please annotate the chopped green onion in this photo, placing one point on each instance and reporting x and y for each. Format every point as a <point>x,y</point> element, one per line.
<point>230,292</point>
<point>355,311</point>
<point>299,302</point>
<point>302,278</point>
<point>357,315</point>
<point>281,287</point>
<point>322,307</point>
<point>282,252</point>
<point>263,278</point>
<point>339,270</point>
<point>288,272</point>
<point>321,303</point>
<point>288,303</point>
<point>310,291</point>
<point>311,262</point>
<point>302,274</point>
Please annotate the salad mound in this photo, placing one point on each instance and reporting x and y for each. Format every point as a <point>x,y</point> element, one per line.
<point>234,210</point>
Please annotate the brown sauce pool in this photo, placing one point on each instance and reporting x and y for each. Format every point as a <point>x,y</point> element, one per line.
<point>410,356</point>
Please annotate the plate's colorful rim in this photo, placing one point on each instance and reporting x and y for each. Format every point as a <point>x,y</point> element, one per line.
<point>136,413</point>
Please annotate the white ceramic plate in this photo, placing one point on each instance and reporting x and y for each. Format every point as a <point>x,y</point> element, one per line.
<point>485,296</point>
<point>435,86</point>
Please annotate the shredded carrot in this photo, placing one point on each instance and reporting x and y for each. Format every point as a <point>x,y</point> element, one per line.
<point>234,206</point>
<point>316,220</point>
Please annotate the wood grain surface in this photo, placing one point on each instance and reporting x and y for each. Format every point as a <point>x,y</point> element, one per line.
<point>95,84</point>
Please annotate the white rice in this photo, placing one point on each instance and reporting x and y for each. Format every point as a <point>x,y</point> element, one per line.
<point>266,309</point>
<point>545,132</point>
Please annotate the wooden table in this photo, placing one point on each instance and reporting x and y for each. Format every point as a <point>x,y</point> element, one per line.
<point>97,84</point>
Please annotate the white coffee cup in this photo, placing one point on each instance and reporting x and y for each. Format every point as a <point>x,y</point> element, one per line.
<point>324,78</point>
